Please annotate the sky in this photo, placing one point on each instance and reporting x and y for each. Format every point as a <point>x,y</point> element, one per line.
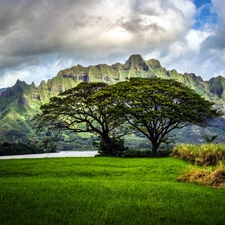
<point>40,38</point>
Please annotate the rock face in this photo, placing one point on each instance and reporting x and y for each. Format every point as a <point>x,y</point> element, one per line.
<point>136,62</point>
<point>23,100</point>
<point>217,85</point>
<point>2,90</point>
<point>18,104</point>
<point>11,91</point>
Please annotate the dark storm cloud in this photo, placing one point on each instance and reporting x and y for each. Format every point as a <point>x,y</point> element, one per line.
<point>36,27</point>
<point>45,26</point>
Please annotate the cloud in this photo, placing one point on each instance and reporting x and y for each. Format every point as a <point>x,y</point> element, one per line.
<point>38,35</point>
<point>201,50</point>
<point>213,47</point>
<point>216,40</point>
<point>183,54</point>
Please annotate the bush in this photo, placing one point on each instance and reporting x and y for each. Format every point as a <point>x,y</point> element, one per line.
<point>214,178</point>
<point>203,155</point>
<point>137,154</point>
<point>163,152</point>
<point>117,146</point>
<point>145,153</point>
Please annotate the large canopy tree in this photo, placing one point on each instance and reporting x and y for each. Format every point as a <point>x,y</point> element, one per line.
<point>157,106</point>
<point>75,110</point>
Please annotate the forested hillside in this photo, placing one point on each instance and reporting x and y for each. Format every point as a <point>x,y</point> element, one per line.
<point>19,104</point>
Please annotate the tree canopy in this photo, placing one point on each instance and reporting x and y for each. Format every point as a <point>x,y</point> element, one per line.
<point>151,106</point>
<point>157,106</point>
<point>75,110</point>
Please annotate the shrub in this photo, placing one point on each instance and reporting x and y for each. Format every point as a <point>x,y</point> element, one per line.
<point>164,152</point>
<point>145,153</point>
<point>117,146</point>
<point>214,178</point>
<point>137,154</point>
<point>203,155</point>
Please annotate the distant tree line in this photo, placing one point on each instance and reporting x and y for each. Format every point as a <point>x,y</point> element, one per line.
<point>18,149</point>
<point>151,106</point>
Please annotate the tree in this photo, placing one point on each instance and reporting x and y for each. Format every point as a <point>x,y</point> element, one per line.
<point>157,106</point>
<point>209,139</point>
<point>77,110</point>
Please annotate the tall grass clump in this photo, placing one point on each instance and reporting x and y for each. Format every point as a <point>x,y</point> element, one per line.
<point>204,155</point>
<point>213,177</point>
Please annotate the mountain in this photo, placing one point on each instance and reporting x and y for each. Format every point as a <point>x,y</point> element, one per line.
<point>2,90</point>
<point>18,104</point>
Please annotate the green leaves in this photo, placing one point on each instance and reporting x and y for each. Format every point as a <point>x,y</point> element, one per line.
<point>153,107</point>
<point>80,109</point>
<point>157,106</point>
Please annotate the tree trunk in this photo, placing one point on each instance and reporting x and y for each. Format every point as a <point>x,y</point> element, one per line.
<point>154,148</point>
<point>107,143</point>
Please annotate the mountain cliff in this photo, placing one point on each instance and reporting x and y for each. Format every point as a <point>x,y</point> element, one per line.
<point>18,104</point>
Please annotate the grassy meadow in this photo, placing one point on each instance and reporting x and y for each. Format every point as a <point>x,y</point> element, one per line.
<point>104,190</point>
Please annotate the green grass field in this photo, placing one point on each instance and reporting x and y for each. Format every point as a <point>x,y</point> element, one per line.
<point>102,190</point>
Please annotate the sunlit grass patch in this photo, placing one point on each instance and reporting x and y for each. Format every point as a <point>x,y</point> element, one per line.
<point>103,191</point>
<point>203,155</point>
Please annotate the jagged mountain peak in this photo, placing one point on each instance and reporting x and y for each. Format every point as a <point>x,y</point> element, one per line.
<point>136,57</point>
<point>217,86</point>
<point>217,79</point>
<point>154,63</point>
<point>16,88</point>
<point>136,62</point>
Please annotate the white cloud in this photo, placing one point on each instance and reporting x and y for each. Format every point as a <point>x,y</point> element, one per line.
<point>10,77</point>
<point>218,7</point>
<point>41,37</point>
<point>195,38</point>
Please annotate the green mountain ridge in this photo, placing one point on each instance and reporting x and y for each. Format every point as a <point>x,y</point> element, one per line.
<point>18,104</point>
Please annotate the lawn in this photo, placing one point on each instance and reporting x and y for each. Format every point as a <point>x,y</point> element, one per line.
<point>104,190</point>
